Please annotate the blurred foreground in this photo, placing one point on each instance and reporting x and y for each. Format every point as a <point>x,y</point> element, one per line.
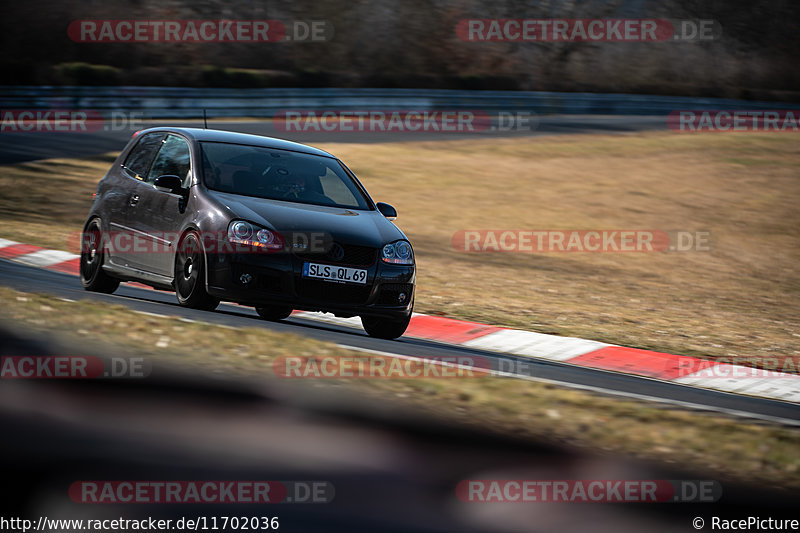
<point>392,470</point>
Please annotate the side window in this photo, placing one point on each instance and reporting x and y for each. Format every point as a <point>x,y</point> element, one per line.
<point>138,161</point>
<point>173,158</point>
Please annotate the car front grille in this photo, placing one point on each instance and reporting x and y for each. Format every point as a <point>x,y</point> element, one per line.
<point>326,291</point>
<point>390,292</point>
<point>270,283</point>
<point>354,255</point>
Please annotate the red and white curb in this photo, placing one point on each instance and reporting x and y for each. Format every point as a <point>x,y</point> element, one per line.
<point>682,369</point>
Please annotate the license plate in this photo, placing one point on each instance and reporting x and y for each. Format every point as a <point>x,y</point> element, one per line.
<point>335,273</point>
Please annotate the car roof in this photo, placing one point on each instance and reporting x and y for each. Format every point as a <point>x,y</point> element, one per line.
<point>200,134</point>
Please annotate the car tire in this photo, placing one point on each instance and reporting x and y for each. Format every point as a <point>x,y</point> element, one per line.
<point>385,328</point>
<point>190,274</point>
<point>273,312</point>
<point>93,277</point>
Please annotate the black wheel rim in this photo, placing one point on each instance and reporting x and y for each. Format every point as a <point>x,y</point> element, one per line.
<point>91,254</point>
<point>188,266</point>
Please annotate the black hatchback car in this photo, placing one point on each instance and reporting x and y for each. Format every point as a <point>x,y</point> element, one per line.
<point>216,215</point>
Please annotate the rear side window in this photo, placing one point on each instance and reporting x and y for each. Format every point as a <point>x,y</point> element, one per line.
<point>138,161</point>
<point>174,158</point>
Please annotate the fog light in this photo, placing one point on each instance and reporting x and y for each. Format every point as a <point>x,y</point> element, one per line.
<point>245,278</point>
<point>401,297</point>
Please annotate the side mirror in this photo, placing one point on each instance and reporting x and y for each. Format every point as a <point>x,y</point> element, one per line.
<point>387,210</point>
<point>169,183</point>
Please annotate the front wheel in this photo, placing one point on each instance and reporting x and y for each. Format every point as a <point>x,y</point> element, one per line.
<point>273,312</point>
<point>385,328</point>
<point>93,277</point>
<point>190,286</point>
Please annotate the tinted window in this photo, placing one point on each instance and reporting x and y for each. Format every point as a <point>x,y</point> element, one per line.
<point>138,161</point>
<point>174,159</point>
<point>335,189</point>
<point>279,175</point>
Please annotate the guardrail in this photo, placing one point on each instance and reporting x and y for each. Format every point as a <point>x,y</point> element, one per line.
<point>180,102</point>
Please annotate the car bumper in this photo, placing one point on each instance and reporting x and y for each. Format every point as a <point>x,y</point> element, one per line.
<point>277,279</point>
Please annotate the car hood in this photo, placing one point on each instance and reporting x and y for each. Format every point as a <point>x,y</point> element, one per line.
<point>365,228</point>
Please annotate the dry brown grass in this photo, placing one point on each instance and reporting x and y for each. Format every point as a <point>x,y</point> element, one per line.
<point>43,202</point>
<point>740,300</point>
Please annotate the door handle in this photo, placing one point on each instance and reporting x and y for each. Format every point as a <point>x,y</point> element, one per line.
<point>134,199</point>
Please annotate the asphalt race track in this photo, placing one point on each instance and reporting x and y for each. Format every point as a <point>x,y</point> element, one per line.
<point>31,279</point>
<point>18,147</point>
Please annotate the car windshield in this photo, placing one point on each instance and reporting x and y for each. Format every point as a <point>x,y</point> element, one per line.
<point>279,175</point>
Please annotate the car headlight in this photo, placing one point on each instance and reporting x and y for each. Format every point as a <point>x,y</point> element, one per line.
<point>241,232</point>
<point>398,253</point>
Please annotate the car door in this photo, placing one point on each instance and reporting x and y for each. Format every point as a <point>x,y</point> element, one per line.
<point>158,215</point>
<point>124,196</point>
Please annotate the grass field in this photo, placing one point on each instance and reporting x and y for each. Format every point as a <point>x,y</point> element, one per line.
<point>739,300</point>
<point>717,446</point>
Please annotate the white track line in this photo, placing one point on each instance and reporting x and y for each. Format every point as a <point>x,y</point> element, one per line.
<point>533,344</point>
<point>44,258</point>
<point>612,392</point>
